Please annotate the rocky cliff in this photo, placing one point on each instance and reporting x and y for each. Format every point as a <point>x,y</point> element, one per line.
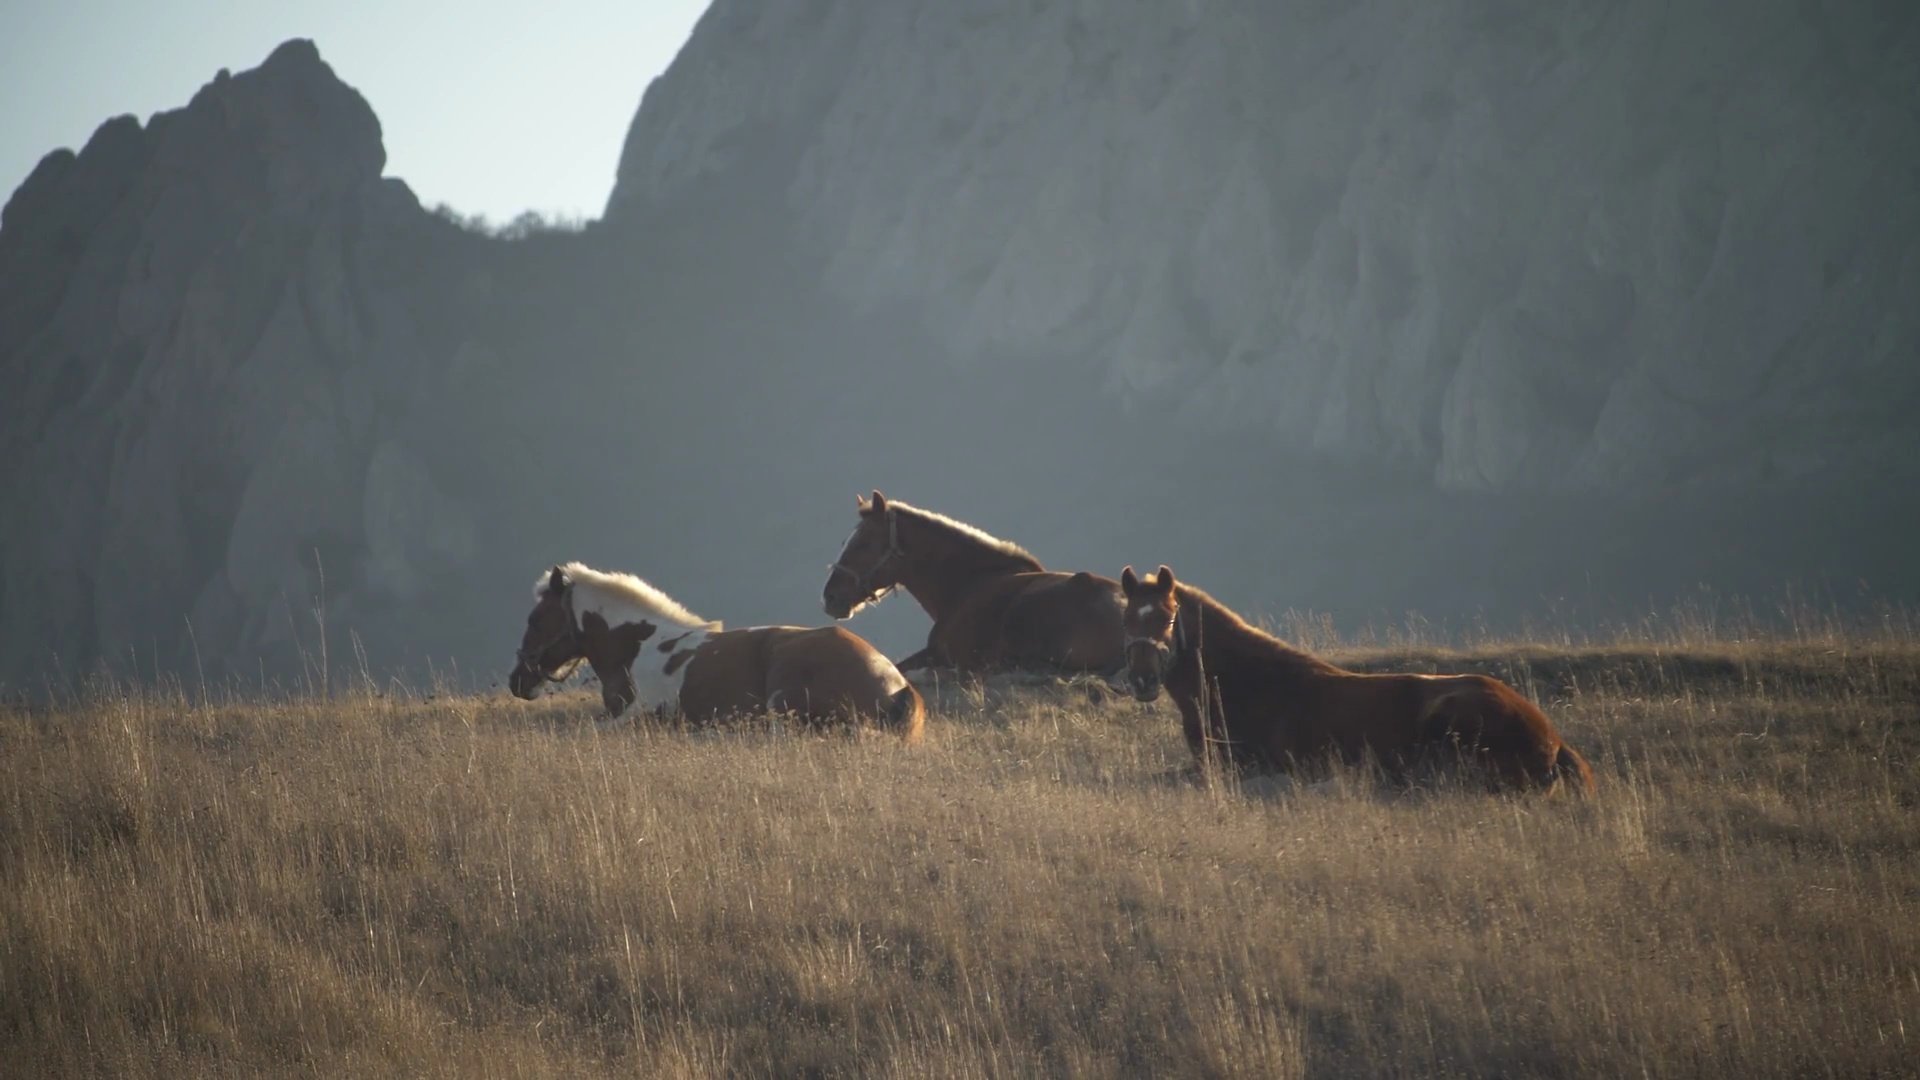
<point>1124,283</point>
<point>1514,245</point>
<point>212,345</point>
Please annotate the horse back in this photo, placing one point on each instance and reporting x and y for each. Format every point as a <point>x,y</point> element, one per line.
<point>1401,719</point>
<point>1039,619</point>
<point>1350,715</point>
<point>824,674</point>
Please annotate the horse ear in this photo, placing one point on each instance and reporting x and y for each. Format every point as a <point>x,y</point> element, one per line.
<point>879,503</point>
<point>557,581</point>
<point>1129,581</point>
<point>860,501</point>
<point>1164,578</point>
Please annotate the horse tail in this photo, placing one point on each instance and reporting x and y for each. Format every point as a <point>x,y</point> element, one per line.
<point>1572,769</point>
<point>907,713</point>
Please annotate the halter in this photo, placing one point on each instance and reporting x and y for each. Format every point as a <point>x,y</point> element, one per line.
<point>864,581</point>
<point>1173,650</point>
<point>531,657</point>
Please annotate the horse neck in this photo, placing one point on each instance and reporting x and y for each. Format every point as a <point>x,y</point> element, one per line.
<point>1222,642</point>
<point>620,613</point>
<point>660,667</point>
<point>947,567</point>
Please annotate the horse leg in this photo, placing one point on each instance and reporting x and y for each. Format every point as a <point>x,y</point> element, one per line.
<point>925,658</point>
<point>1497,738</point>
<point>617,691</point>
<point>1450,737</point>
<point>1572,769</point>
<point>906,713</point>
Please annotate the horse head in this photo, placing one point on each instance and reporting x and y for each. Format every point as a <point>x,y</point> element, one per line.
<point>1151,621</point>
<point>552,646</point>
<point>869,565</point>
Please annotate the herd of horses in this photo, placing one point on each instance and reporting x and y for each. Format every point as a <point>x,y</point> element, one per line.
<point>1246,699</point>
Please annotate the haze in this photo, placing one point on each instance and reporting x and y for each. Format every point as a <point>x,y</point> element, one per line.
<point>1533,317</point>
<point>492,108</point>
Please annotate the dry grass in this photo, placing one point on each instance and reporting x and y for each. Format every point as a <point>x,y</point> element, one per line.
<point>482,887</point>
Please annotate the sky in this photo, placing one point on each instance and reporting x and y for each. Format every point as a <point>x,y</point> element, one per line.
<point>489,106</point>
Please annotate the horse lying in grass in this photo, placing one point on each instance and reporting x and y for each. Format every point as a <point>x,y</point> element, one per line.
<point>649,650</point>
<point>994,607</point>
<point>1250,698</point>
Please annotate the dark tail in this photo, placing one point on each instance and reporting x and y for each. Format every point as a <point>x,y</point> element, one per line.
<point>907,714</point>
<point>1571,769</point>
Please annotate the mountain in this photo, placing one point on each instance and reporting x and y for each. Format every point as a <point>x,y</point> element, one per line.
<point>1473,309</point>
<point>1509,245</point>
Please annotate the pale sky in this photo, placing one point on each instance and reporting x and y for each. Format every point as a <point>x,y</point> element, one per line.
<point>489,106</point>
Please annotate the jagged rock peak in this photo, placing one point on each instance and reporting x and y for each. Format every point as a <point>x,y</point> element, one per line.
<point>314,129</point>
<point>197,318</point>
<point>314,133</point>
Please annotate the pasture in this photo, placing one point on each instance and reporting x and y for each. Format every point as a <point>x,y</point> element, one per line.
<point>478,886</point>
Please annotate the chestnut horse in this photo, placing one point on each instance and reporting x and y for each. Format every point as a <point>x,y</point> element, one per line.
<point>1253,699</point>
<point>994,607</point>
<point>649,650</point>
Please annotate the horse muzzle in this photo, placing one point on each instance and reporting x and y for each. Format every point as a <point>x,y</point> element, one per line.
<point>1145,687</point>
<point>524,682</point>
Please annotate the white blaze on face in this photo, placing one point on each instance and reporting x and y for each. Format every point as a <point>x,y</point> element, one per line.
<point>1143,611</point>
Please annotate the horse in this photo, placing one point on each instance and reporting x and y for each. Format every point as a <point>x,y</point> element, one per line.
<point>649,650</point>
<point>1252,699</point>
<point>994,607</point>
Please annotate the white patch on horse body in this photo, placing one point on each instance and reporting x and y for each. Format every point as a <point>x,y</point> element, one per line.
<point>624,600</point>
<point>653,687</point>
<point>1143,610</point>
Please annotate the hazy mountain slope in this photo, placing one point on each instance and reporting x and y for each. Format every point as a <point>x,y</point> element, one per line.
<point>1598,244</point>
<point>1094,281</point>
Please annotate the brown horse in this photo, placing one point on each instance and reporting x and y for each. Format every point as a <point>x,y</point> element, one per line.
<point>994,607</point>
<point>1248,697</point>
<point>646,648</point>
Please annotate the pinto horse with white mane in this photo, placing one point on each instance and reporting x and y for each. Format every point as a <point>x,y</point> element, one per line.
<point>994,607</point>
<point>649,650</point>
<point>1248,697</point>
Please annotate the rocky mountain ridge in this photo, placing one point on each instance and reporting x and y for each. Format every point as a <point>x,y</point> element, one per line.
<point>1515,246</point>
<point>207,345</point>
<point>1120,283</point>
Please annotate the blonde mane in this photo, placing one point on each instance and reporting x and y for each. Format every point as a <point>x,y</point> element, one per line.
<point>622,598</point>
<point>979,536</point>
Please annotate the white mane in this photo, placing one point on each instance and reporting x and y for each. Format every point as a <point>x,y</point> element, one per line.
<point>1005,547</point>
<point>622,598</point>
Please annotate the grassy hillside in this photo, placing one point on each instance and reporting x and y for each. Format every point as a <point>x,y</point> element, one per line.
<point>463,886</point>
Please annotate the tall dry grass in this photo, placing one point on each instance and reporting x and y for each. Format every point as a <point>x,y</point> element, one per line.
<point>475,887</point>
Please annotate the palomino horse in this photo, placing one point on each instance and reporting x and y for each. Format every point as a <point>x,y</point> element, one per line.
<point>1249,697</point>
<point>993,605</point>
<point>648,649</point>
